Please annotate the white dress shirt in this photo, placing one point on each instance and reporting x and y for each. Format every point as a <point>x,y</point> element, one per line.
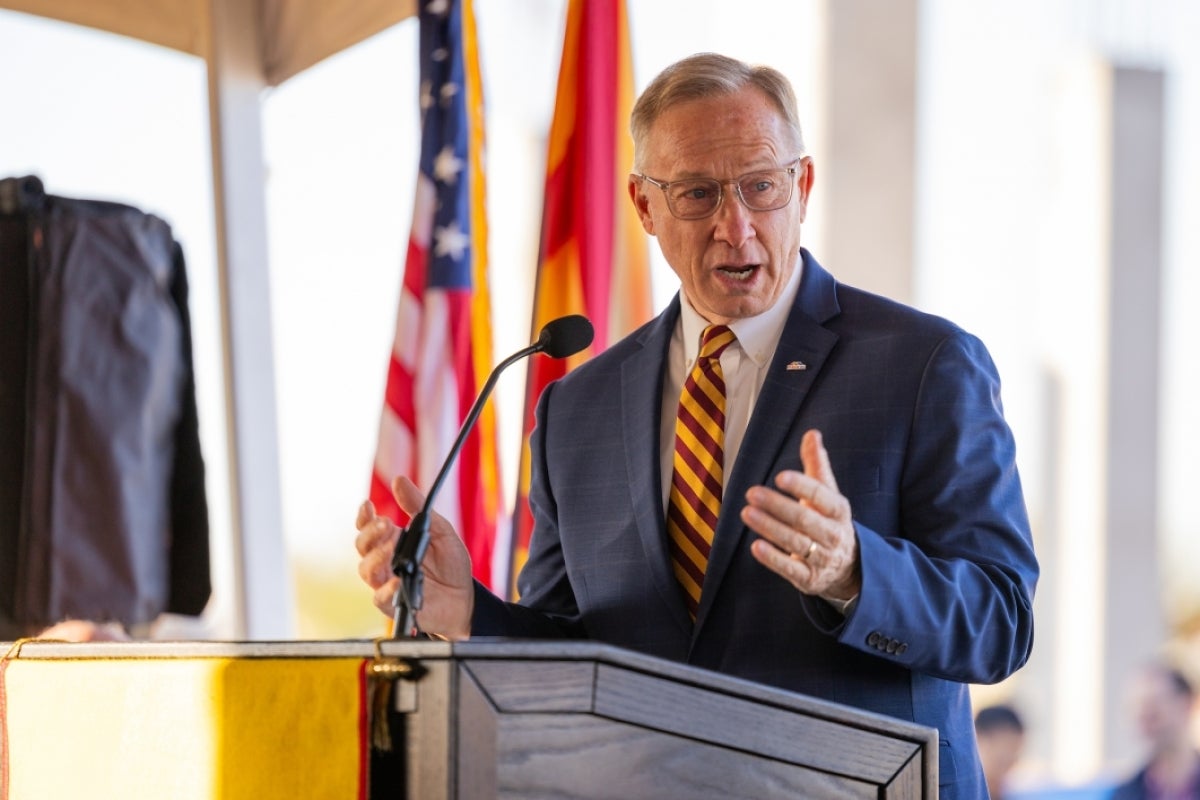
<point>744,364</point>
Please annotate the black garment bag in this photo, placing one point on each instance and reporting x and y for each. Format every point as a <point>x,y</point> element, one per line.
<point>103,511</point>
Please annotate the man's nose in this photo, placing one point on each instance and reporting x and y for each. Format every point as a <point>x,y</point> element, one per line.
<point>734,222</point>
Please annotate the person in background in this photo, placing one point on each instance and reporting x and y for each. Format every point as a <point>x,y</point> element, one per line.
<point>1163,700</point>
<point>1000,735</point>
<point>781,477</point>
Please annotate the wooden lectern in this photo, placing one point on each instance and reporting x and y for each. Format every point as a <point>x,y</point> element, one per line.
<point>517,719</point>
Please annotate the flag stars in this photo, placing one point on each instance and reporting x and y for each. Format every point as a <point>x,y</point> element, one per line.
<point>438,7</point>
<point>448,92</point>
<point>426,95</point>
<point>447,166</point>
<point>450,241</point>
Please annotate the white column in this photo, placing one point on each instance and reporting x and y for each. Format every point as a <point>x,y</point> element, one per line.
<point>870,144</point>
<point>1099,298</point>
<point>264,602</point>
<point>1134,614</point>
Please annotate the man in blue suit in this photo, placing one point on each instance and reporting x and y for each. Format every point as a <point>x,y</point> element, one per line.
<point>872,547</point>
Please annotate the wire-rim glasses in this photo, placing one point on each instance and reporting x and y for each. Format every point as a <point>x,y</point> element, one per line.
<point>697,198</point>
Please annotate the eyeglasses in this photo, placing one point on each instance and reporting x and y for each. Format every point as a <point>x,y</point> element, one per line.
<point>697,198</point>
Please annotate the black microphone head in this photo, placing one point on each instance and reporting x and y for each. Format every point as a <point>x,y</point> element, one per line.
<point>566,336</point>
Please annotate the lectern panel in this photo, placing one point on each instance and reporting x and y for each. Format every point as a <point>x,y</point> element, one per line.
<point>537,685</point>
<point>591,758</point>
<point>592,729</point>
<point>824,744</point>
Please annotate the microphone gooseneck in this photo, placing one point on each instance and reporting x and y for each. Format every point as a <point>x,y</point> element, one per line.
<point>559,338</point>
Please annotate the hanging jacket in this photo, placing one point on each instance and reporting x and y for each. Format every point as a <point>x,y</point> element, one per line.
<point>103,511</point>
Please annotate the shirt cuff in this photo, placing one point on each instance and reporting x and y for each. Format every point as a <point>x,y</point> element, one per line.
<point>843,607</point>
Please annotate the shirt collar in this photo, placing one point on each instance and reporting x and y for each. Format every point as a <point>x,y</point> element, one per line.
<point>758,336</point>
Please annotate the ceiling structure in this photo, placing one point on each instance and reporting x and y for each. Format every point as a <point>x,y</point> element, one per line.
<point>293,34</point>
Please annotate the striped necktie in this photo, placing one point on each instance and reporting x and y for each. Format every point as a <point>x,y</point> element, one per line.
<point>695,499</point>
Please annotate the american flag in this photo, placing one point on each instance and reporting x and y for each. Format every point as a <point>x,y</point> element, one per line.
<point>442,351</point>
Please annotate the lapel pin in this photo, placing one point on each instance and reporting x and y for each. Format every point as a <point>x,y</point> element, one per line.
<point>796,366</point>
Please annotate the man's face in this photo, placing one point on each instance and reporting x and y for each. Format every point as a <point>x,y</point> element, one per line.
<point>999,751</point>
<point>734,263</point>
<point>1162,712</point>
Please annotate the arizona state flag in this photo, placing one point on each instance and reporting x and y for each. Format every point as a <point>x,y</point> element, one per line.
<point>593,252</point>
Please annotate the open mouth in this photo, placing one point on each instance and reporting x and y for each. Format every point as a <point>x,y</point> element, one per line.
<point>738,273</point>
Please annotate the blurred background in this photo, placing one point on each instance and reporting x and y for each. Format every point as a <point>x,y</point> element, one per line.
<point>1023,167</point>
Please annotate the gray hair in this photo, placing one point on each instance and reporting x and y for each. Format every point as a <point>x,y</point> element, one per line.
<point>709,75</point>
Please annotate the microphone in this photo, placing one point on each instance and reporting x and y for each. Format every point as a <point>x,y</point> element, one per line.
<point>559,338</point>
<point>562,337</point>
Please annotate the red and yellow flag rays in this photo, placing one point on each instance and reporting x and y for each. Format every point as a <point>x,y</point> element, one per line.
<point>593,253</point>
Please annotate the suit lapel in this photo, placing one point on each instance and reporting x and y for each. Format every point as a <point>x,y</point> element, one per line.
<point>641,407</point>
<point>773,423</point>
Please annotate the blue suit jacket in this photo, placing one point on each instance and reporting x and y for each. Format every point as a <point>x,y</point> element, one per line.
<point>909,406</point>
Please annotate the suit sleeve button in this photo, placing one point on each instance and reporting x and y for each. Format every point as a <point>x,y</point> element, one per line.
<point>900,650</point>
<point>891,646</point>
<point>874,638</point>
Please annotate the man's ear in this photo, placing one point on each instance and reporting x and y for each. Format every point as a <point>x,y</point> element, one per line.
<point>804,184</point>
<point>641,202</point>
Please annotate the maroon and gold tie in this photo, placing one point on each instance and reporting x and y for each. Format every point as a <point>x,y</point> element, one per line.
<point>695,498</point>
